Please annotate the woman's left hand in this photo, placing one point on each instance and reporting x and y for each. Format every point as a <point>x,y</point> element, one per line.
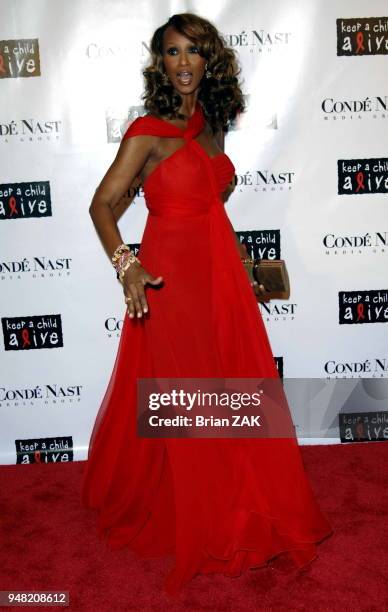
<point>259,290</point>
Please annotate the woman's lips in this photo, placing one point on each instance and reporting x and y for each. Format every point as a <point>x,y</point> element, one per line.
<point>184,77</point>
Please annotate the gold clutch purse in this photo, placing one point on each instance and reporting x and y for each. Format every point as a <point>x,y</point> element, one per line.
<point>272,273</point>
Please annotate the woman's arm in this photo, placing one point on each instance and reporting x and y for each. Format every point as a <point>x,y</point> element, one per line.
<point>105,210</point>
<point>126,200</point>
<point>121,175</point>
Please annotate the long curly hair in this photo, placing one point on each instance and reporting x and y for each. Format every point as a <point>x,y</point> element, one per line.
<point>220,95</point>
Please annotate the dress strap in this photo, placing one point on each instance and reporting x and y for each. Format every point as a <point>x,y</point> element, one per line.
<point>195,124</point>
<point>148,125</point>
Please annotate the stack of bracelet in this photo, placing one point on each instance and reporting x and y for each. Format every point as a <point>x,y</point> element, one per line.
<point>247,260</point>
<point>122,258</point>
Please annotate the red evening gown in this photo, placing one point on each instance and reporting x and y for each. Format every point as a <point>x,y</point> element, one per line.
<point>216,505</point>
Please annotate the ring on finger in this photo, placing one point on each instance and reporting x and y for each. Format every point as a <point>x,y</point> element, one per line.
<point>128,299</point>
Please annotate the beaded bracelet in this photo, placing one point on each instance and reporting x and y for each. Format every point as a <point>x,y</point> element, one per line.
<point>122,258</point>
<point>121,249</point>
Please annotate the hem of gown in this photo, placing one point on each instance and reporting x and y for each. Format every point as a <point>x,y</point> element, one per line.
<point>241,559</point>
<point>302,554</point>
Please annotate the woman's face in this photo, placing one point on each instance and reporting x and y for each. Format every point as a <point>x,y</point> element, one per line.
<point>182,62</point>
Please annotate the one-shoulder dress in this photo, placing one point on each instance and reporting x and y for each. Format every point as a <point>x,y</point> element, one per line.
<point>214,504</point>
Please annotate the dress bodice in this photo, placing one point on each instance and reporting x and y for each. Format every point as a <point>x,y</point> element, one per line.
<point>189,179</point>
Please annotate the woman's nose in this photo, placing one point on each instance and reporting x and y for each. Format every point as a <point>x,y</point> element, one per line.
<point>183,60</point>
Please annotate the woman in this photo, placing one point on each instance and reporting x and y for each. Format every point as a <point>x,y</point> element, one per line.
<point>217,505</point>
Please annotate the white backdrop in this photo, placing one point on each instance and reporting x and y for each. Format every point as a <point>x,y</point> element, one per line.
<point>314,76</point>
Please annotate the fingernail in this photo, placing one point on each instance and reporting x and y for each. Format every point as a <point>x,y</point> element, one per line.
<point>139,314</point>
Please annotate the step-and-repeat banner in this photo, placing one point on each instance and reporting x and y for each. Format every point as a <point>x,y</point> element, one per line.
<point>311,158</point>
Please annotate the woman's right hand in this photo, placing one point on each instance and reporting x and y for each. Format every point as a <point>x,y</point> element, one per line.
<point>134,281</point>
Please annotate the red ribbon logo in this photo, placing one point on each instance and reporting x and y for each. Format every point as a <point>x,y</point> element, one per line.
<point>360,430</point>
<point>360,42</point>
<point>25,338</point>
<point>360,181</point>
<point>360,312</point>
<point>12,206</point>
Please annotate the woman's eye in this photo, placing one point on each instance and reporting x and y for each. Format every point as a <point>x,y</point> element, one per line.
<point>174,50</point>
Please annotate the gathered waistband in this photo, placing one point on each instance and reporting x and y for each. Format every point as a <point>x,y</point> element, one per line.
<point>168,207</point>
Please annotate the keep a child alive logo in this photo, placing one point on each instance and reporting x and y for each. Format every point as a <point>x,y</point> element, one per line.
<point>263,244</point>
<point>19,58</point>
<point>32,332</point>
<point>358,176</point>
<point>362,36</point>
<point>363,426</point>
<point>44,450</point>
<point>24,200</point>
<point>357,307</point>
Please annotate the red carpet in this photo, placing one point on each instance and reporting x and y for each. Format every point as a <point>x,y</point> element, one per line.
<point>48,542</point>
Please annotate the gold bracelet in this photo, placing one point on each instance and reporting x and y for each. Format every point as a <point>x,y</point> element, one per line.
<point>122,248</point>
<point>247,260</point>
<point>129,261</point>
<point>122,258</point>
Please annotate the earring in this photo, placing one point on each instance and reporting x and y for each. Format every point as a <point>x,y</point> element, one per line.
<point>165,78</point>
<point>208,73</point>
